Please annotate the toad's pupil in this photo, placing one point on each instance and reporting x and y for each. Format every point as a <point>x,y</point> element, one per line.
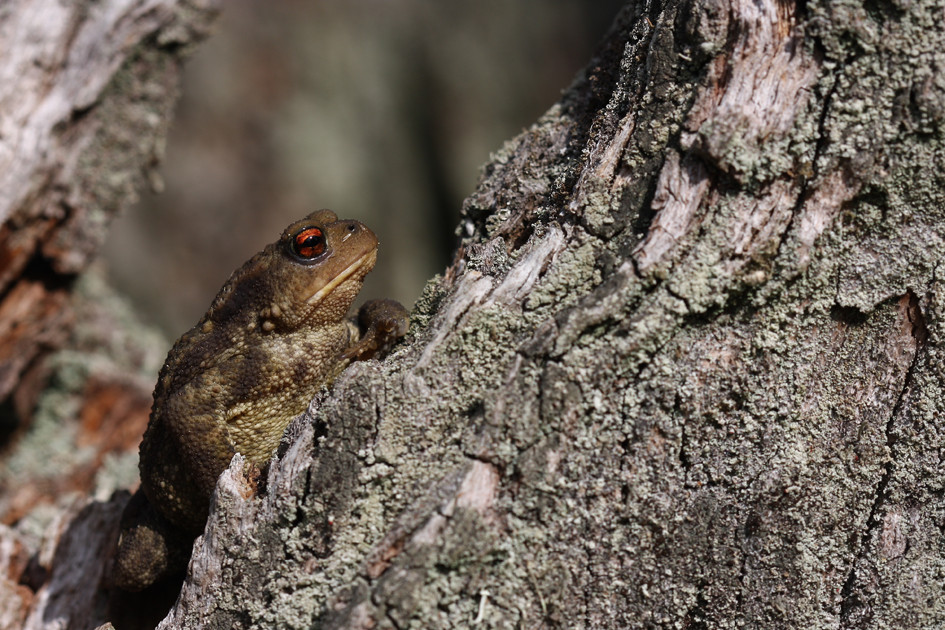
<point>309,243</point>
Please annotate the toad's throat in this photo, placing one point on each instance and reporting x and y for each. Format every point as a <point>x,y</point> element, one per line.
<point>367,260</point>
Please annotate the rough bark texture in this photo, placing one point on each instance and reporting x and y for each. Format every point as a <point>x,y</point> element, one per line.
<point>86,94</point>
<point>86,91</point>
<point>685,371</point>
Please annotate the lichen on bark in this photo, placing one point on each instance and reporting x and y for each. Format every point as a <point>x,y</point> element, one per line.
<point>85,100</point>
<point>682,371</point>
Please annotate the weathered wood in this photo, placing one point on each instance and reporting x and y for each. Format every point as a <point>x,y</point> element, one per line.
<point>86,91</point>
<point>683,372</point>
<point>86,96</point>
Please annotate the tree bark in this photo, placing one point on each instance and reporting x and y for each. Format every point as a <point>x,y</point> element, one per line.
<point>87,90</point>
<point>684,371</point>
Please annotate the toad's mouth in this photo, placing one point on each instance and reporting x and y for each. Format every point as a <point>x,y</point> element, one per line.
<point>365,262</point>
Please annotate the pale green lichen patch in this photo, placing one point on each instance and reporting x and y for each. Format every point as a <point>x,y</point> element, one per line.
<point>52,434</point>
<point>108,342</point>
<point>572,275</point>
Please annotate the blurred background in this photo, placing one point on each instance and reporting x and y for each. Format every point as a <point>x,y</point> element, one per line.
<point>382,110</point>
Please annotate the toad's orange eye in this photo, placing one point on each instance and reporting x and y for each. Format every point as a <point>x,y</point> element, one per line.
<point>308,243</point>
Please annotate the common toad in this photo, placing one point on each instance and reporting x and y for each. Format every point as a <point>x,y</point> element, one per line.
<point>276,332</point>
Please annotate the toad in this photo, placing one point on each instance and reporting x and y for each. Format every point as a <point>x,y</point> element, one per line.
<point>275,333</point>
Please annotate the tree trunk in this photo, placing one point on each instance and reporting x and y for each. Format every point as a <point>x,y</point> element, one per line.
<point>86,98</point>
<point>87,90</point>
<point>683,373</point>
